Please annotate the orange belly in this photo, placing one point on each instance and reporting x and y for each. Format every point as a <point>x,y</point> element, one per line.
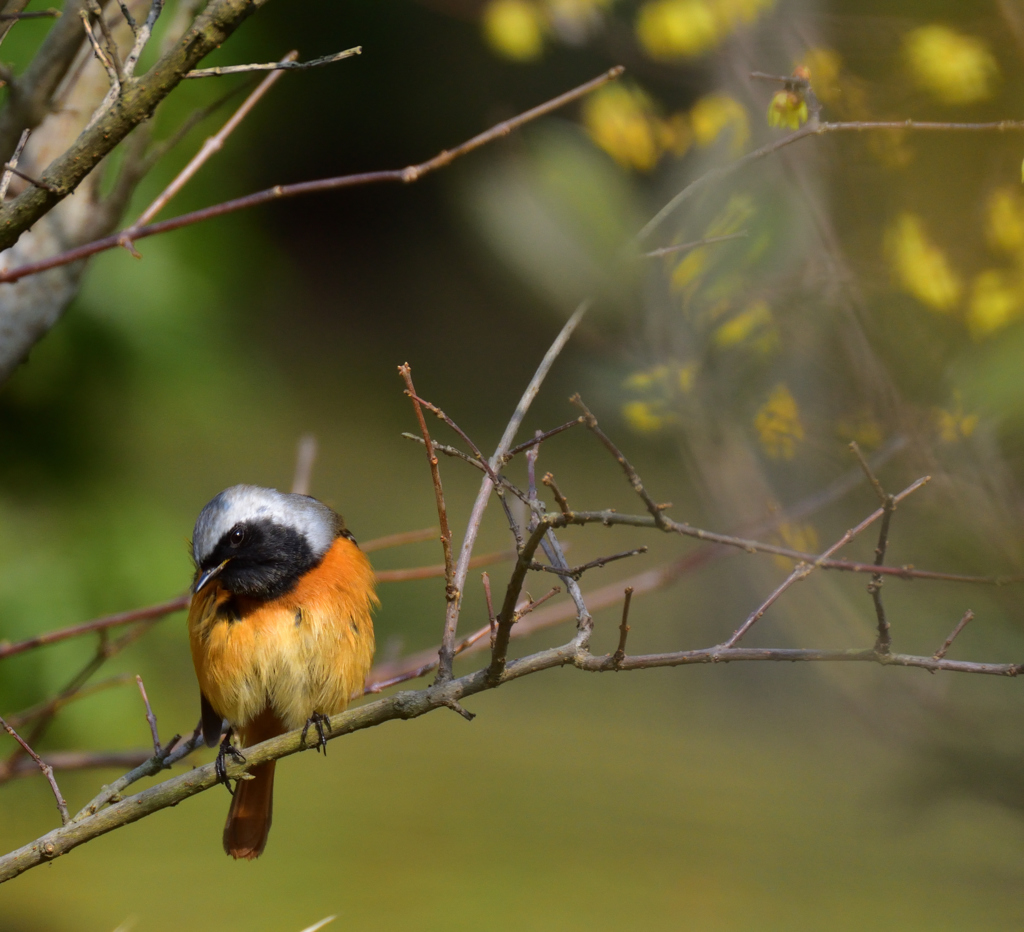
<point>307,651</point>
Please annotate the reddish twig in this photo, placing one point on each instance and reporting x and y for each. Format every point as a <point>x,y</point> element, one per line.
<point>941,652</point>
<point>437,571</point>
<point>402,175</point>
<point>575,572</point>
<point>563,502</point>
<point>451,592</point>
<point>398,540</point>
<point>62,807</point>
<point>491,623</point>
<point>99,624</point>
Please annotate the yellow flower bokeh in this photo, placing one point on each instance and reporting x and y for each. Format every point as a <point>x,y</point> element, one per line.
<point>644,417</point>
<point>716,113</point>
<point>778,424</point>
<point>621,120</point>
<point>670,29</point>
<point>954,425</point>
<point>514,28</point>
<point>1004,227</point>
<point>920,266</point>
<point>952,67</point>
<point>802,537</point>
<point>997,299</point>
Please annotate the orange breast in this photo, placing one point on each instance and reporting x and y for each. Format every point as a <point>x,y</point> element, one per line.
<point>307,651</point>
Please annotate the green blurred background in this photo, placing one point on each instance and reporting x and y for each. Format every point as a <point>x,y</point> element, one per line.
<point>877,296</point>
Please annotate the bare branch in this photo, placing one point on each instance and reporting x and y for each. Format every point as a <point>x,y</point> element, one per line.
<point>150,717</point>
<point>941,652</point>
<point>803,570</point>
<point>687,247</point>
<point>62,807</point>
<point>397,540</point>
<point>24,210</point>
<point>620,651</point>
<point>99,624</point>
<point>438,570</point>
<point>305,458</point>
<point>288,64</point>
<point>451,592</point>
<point>483,496</point>
<point>575,572</point>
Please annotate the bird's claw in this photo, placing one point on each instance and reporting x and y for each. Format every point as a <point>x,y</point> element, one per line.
<point>227,749</point>
<point>320,722</point>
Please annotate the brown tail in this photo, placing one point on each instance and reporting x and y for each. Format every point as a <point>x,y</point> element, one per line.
<point>248,825</point>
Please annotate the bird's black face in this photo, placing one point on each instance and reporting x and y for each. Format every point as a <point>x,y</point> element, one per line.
<point>259,559</point>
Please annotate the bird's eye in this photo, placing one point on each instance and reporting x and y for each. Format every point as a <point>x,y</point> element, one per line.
<point>237,536</point>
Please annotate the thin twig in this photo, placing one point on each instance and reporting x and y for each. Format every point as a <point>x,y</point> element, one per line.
<point>575,572</point>
<point>813,128</point>
<point>62,807</point>
<point>397,540</point>
<point>620,651</point>
<point>37,14</point>
<point>142,35</point>
<point>656,510</point>
<point>540,437</point>
<point>803,570</point>
<point>450,589</point>
<point>961,624</point>
<point>150,717</point>
<point>536,603</point>
<point>444,670</point>
<point>687,247</point>
<point>563,502</point>
<point>37,182</point>
<point>491,622</point>
<point>5,179</point>
<point>114,73</point>
<point>108,40</point>
<point>437,571</point>
<point>211,146</point>
<point>54,705</point>
<point>287,64</point>
<point>403,175</point>
<point>305,458</point>
<point>99,624</point>
<point>883,641</point>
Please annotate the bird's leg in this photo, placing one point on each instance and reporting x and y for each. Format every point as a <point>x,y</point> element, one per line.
<point>227,749</point>
<point>320,722</point>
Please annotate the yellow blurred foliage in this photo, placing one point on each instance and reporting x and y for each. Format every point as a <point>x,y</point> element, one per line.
<point>778,424</point>
<point>824,66</point>
<point>954,425</point>
<point>756,322</point>
<point>920,266</point>
<point>645,417</point>
<point>677,28</point>
<point>997,299</point>
<point>690,269</point>
<point>514,28</point>
<point>787,110</point>
<point>861,428</point>
<point>952,67</point>
<point>621,120</point>
<point>669,29</point>
<point>1004,225</point>
<point>716,113</point>
<point>802,537</point>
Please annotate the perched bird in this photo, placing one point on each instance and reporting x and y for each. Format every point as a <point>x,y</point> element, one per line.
<point>280,631</point>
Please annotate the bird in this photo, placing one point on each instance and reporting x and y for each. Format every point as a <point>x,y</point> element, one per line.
<point>281,633</point>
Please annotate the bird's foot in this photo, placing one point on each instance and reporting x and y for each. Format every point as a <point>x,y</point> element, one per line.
<point>320,722</point>
<point>227,749</point>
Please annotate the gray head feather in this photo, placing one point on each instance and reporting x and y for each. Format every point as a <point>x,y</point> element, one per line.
<point>241,503</point>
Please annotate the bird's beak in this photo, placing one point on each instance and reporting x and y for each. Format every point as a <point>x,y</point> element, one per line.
<point>208,575</point>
